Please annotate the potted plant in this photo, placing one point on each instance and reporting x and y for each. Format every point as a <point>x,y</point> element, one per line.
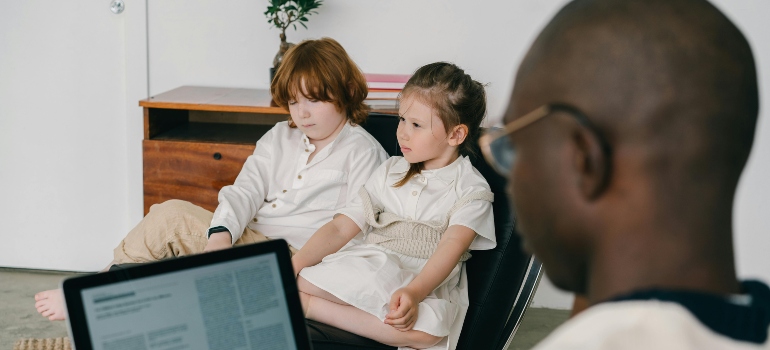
<point>284,13</point>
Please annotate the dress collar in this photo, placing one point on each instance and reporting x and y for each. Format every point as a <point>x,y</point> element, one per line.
<point>446,174</point>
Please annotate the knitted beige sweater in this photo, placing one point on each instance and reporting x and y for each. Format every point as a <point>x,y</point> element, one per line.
<point>414,238</point>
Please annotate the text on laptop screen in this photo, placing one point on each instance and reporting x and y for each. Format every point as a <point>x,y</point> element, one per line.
<point>238,304</point>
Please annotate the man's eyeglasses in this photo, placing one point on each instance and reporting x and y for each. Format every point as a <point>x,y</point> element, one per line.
<point>500,153</point>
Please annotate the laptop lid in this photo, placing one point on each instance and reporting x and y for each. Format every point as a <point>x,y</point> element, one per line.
<point>240,298</point>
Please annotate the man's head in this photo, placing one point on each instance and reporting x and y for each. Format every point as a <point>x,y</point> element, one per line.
<point>671,86</point>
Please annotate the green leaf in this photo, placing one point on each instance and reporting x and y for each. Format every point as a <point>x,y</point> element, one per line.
<point>286,13</point>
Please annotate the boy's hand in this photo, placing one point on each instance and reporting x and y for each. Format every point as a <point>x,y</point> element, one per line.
<point>403,310</point>
<point>218,241</point>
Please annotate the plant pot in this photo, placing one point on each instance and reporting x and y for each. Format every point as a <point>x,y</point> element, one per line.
<point>285,46</point>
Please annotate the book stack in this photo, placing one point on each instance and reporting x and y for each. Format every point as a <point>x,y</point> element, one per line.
<point>384,90</point>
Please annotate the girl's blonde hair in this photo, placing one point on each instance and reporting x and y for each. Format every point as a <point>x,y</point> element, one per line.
<point>454,96</point>
<point>328,75</point>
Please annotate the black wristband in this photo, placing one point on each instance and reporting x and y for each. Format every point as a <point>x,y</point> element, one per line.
<point>216,229</point>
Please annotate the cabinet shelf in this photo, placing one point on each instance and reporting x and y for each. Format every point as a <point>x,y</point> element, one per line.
<point>212,132</point>
<point>201,98</point>
<point>196,140</point>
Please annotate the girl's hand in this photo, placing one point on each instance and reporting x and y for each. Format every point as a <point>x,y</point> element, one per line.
<point>403,310</point>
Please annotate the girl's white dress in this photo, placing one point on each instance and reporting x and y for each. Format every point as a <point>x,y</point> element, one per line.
<point>366,275</point>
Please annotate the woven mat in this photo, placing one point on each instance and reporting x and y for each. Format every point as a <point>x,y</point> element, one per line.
<point>43,344</point>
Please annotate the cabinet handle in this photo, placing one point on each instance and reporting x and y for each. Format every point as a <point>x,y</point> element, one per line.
<point>217,156</point>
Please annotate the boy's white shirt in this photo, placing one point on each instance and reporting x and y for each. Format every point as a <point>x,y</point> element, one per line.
<point>282,196</point>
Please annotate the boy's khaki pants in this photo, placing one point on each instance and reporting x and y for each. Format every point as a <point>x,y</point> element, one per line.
<point>172,228</point>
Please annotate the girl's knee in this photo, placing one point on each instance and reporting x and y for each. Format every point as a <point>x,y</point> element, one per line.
<point>305,302</point>
<point>422,340</point>
<point>304,286</point>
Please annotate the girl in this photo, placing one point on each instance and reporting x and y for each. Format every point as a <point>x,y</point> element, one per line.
<point>406,286</point>
<point>301,171</point>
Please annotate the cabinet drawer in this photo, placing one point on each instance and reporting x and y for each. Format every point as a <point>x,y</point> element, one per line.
<point>190,171</point>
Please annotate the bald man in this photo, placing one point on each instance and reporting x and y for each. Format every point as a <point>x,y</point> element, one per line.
<point>623,177</point>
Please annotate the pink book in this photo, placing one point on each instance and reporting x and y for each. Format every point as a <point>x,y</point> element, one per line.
<point>393,82</point>
<point>382,95</point>
<point>387,78</point>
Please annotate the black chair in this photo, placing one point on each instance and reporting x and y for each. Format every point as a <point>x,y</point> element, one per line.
<point>383,128</point>
<point>501,281</point>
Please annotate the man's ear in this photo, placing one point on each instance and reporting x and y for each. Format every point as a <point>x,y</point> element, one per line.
<point>457,135</point>
<point>591,162</point>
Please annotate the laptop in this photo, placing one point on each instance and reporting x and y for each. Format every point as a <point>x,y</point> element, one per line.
<point>240,298</point>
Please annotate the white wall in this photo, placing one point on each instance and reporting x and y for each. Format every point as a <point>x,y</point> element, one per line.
<point>63,139</point>
<point>229,43</point>
<point>752,207</point>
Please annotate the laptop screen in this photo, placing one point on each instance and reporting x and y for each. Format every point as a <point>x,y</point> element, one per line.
<point>234,304</point>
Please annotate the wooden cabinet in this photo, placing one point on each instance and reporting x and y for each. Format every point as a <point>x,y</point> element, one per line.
<point>196,140</point>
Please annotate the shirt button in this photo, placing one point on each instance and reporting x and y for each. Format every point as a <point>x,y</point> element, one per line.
<point>299,177</point>
<point>273,205</point>
<point>422,179</point>
<point>307,150</point>
<point>254,220</point>
<point>284,191</point>
<point>414,193</point>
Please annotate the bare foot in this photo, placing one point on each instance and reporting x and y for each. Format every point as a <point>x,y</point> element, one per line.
<point>51,304</point>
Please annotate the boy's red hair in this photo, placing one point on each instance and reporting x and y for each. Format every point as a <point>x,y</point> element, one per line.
<point>328,74</point>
